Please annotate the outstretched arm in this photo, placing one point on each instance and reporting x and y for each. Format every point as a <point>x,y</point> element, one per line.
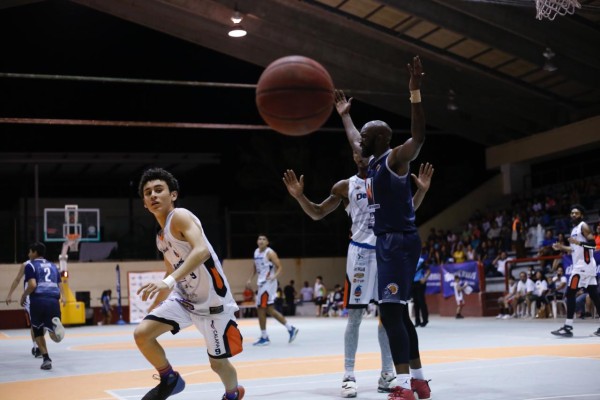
<point>408,151</point>
<point>343,108</point>
<point>423,181</point>
<point>295,188</point>
<point>15,283</point>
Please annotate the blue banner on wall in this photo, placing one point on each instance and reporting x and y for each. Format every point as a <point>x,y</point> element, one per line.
<point>434,281</point>
<point>467,272</point>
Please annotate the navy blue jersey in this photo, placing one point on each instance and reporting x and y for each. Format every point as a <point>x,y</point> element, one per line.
<point>46,275</point>
<point>390,198</point>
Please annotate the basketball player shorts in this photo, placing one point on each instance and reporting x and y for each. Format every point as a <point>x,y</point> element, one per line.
<point>582,277</point>
<point>360,287</point>
<point>397,257</point>
<point>220,331</point>
<point>41,312</point>
<point>266,293</point>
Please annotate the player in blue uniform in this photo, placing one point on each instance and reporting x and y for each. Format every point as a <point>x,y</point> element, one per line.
<point>398,245</point>
<point>45,290</point>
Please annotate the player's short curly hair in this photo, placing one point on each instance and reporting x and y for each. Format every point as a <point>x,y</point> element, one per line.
<point>154,174</point>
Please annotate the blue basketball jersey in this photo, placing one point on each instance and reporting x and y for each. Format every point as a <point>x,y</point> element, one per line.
<point>390,198</point>
<point>46,275</point>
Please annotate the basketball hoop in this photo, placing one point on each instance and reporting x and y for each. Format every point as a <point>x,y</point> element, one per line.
<point>549,9</point>
<point>73,241</point>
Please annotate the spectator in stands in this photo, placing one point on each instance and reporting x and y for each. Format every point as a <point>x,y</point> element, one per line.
<point>487,255</point>
<point>459,254</point>
<point>525,288</point>
<point>500,265</point>
<point>470,253</point>
<point>320,294</point>
<point>546,250</point>
<point>517,236</point>
<point>539,294</point>
<point>493,234</point>
<point>289,293</point>
<point>505,302</point>
<point>306,293</point>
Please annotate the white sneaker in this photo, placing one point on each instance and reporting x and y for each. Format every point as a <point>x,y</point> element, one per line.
<point>499,316</point>
<point>59,330</point>
<point>507,316</point>
<point>349,388</point>
<point>386,382</point>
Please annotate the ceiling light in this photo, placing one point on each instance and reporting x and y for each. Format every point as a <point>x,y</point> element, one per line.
<point>549,65</point>
<point>452,105</point>
<point>237,29</point>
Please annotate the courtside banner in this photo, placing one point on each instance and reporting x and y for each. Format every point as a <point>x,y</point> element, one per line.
<point>135,280</point>
<point>467,272</point>
<point>434,282</point>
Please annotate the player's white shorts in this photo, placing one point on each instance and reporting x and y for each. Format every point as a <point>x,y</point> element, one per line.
<point>220,331</point>
<point>583,280</point>
<point>267,291</point>
<point>360,287</point>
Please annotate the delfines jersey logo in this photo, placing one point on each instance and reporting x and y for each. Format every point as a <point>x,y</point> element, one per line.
<point>390,290</point>
<point>358,291</point>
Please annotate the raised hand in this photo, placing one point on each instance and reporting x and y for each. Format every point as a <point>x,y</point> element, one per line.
<point>423,181</point>
<point>341,104</point>
<point>294,186</point>
<point>416,73</point>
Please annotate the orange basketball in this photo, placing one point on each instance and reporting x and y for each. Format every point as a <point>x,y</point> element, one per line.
<point>294,95</point>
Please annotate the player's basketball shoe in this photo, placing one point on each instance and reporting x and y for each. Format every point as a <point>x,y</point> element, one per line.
<point>386,382</point>
<point>597,333</point>
<point>399,393</point>
<point>36,352</point>
<point>240,394</point>
<point>349,388</point>
<point>46,364</point>
<point>168,386</point>
<point>59,330</point>
<point>565,331</point>
<point>293,333</point>
<point>262,342</point>
<point>421,388</point>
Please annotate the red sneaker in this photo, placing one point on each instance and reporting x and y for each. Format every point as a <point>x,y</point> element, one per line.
<point>399,393</point>
<point>421,387</point>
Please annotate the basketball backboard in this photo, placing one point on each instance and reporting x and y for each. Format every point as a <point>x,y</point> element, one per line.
<point>61,222</point>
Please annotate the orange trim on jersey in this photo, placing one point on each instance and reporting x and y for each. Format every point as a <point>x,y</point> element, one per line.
<point>234,339</point>
<point>217,278</point>
<point>574,282</point>
<point>264,300</point>
<point>346,291</point>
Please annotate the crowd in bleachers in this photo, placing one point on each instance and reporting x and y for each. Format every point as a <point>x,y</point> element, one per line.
<point>537,221</point>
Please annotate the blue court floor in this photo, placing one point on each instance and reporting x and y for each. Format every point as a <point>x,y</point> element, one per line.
<point>470,359</point>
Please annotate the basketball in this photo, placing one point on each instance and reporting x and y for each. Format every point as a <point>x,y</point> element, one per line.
<point>295,95</point>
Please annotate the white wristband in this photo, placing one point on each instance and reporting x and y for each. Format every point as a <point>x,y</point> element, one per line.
<point>415,96</point>
<point>169,281</point>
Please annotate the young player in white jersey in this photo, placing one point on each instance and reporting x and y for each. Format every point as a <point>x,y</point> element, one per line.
<point>583,274</point>
<point>267,267</point>
<point>194,291</point>
<point>360,287</point>
<point>35,350</point>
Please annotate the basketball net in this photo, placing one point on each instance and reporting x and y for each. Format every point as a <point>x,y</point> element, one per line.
<point>549,9</point>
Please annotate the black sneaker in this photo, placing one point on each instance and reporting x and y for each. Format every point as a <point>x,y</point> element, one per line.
<point>36,352</point>
<point>165,389</point>
<point>46,364</point>
<point>565,331</point>
<point>597,333</point>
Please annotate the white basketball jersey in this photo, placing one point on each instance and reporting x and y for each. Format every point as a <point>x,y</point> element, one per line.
<point>358,212</point>
<point>264,267</point>
<point>583,259</point>
<point>205,289</point>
